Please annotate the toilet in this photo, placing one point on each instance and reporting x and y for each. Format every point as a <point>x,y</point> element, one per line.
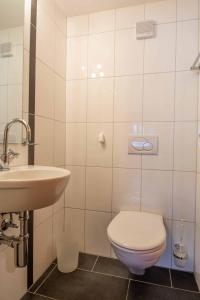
<point>138,239</point>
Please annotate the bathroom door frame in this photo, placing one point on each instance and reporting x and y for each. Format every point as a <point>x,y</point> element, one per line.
<point>31,120</point>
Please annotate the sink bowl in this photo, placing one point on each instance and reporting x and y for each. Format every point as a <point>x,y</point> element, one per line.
<point>31,187</point>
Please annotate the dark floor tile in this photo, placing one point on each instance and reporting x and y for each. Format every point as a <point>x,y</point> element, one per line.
<point>86,261</point>
<point>84,285</point>
<point>111,266</point>
<point>145,291</point>
<point>29,296</point>
<point>155,275</point>
<point>183,280</point>
<point>34,287</point>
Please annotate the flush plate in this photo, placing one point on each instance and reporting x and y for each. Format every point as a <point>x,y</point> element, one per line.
<point>147,145</point>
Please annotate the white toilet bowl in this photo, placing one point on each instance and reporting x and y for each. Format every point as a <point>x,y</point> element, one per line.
<point>138,239</point>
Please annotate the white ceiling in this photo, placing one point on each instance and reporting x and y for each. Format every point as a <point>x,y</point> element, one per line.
<point>11,13</point>
<point>79,7</point>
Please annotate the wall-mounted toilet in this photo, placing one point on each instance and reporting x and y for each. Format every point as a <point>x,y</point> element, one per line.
<point>138,239</point>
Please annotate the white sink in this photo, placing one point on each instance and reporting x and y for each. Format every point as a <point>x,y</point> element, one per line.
<point>31,187</point>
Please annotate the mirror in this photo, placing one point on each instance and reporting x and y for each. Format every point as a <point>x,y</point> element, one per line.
<point>11,64</point>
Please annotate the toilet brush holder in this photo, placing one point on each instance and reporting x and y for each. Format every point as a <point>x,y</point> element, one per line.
<point>180,255</point>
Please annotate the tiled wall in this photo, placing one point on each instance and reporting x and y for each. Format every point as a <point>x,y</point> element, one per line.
<point>49,122</point>
<point>197,239</point>
<point>118,85</point>
<point>11,80</point>
<point>9,274</point>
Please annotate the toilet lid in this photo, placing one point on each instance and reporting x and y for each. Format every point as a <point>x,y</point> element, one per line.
<point>137,230</point>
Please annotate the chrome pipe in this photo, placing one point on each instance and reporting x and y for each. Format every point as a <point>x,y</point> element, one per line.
<point>21,248</point>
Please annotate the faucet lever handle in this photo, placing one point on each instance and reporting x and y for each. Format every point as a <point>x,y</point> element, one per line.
<point>12,154</point>
<point>25,143</point>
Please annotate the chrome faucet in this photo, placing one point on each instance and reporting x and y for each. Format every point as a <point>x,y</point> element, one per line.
<point>9,154</point>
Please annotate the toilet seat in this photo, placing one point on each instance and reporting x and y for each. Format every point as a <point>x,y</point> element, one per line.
<point>137,231</point>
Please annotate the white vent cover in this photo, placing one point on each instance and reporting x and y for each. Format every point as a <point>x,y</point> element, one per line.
<point>5,50</point>
<point>145,30</point>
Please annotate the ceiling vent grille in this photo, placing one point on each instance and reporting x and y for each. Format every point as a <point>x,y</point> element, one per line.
<point>145,30</point>
<point>5,50</point>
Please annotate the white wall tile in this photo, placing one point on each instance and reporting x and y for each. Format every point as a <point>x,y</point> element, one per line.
<point>161,11</point>
<point>27,21</point>
<point>58,228</point>
<point>125,45</point>
<point>186,99</point>
<point>25,86</point>
<point>184,193</point>
<point>4,35</point>
<point>198,199</point>
<point>43,255</point>
<point>101,55</point>
<point>121,158</point>
<point>44,101</point>
<point>157,192</point>
<point>44,137</point>
<point>187,9</point>
<point>14,101</point>
<point>41,215</point>
<point>16,35</point>
<point>9,273</point>
<point>100,100</point>
<point>75,191</point>
<point>126,17</point>
<point>187,39</point>
<point>188,239</point>
<point>3,104</point>
<point>77,58</point>
<point>74,225</point>
<point>47,6</point>
<point>126,189</point>
<point>102,21</point>
<point>164,159</point>
<point>4,71</point>
<point>60,53</point>
<point>76,144</point>
<point>59,143</point>
<point>59,205</point>
<point>128,99</point>
<point>158,102</point>
<point>159,53</point>
<point>185,146</point>
<point>59,99</point>
<point>98,188</point>
<point>165,260</point>
<point>77,26</point>
<point>197,255</point>
<point>198,148</point>
<point>45,38</point>
<point>76,100</point>
<point>96,240</point>
<point>15,66</point>
<point>60,19</point>
<point>99,154</point>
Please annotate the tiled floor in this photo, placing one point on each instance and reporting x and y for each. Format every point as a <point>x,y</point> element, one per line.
<point>100,278</point>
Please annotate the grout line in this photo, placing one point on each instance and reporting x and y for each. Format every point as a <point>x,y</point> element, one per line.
<point>111,275</point>
<point>48,275</point>
<point>170,276</point>
<point>126,75</point>
<point>69,37</point>
<point>46,297</point>
<point>94,264</point>
<point>128,289</point>
<point>137,280</point>
<point>164,286</point>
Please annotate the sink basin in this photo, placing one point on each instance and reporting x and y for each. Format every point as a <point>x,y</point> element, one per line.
<point>31,187</point>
